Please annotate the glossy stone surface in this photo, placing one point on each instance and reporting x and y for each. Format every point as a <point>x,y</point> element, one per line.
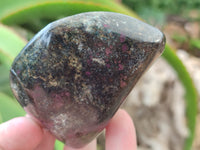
<point>75,73</point>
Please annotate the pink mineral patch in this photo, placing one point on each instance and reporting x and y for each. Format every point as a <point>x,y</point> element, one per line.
<point>88,73</point>
<point>105,25</point>
<point>121,67</point>
<point>67,94</point>
<point>89,61</point>
<point>122,84</point>
<point>122,38</point>
<point>108,65</point>
<point>108,51</point>
<point>58,100</point>
<point>124,47</point>
<point>38,93</point>
<point>18,72</point>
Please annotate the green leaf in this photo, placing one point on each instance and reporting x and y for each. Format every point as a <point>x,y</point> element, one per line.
<point>10,45</point>
<point>0,119</point>
<point>4,80</point>
<point>190,92</point>
<point>43,12</point>
<point>179,38</point>
<point>195,43</point>
<point>9,108</point>
<point>59,145</point>
<point>152,16</point>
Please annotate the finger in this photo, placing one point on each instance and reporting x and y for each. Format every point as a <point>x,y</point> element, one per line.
<point>90,146</point>
<point>120,132</point>
<point>20,134</point>
<point>47,142</point>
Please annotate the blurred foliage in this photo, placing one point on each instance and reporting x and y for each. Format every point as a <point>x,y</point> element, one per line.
<point>21,19</point>
<point>179,38</point>
<point>59,145</point>
<point>154,11</point>
<point>14,108</point>
<point>192,44</point>
<point>10,46</point>
<point>195,43</point>
<point>166,6</point>
<point>4,80</point>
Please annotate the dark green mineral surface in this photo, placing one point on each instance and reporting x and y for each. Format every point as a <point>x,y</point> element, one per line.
<point>74,74</point>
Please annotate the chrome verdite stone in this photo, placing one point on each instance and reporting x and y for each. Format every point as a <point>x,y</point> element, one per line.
<point>75,73</point>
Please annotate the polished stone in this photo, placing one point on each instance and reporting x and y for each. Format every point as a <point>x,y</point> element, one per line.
<point>76,72</point>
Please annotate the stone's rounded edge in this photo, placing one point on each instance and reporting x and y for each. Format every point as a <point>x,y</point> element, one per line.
<point>18,89</point>
<point>36,37</point>
<point>142,31</point>
<point>161,45</point>
<point>163,42</point>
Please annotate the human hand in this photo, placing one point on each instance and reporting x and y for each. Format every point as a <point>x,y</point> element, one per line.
<point>24,133</point>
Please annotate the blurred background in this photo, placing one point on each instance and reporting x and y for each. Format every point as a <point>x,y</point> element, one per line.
<point>165,104</point>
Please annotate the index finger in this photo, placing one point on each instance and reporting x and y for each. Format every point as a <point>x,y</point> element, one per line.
<point>120,132</point>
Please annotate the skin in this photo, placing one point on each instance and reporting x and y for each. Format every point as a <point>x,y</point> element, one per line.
<point>24,133</point>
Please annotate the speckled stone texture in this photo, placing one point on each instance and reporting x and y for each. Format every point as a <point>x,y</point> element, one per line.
<point>75,73</point>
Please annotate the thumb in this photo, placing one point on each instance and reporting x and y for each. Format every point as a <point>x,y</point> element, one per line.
<point>20,134</point>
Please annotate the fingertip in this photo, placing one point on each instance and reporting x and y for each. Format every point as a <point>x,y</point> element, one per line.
<point>120,132</point>
<point>48,141</point>
<point>20,133</point>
